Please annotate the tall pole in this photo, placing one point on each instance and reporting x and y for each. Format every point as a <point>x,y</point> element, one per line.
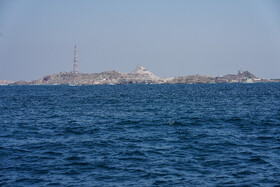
<point>75,65</point>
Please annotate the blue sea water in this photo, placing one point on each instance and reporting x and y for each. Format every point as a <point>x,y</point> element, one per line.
<point>140,135</point>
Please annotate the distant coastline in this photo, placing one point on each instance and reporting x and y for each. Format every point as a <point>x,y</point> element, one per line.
<point>5,82</point>
<point>139,76</point>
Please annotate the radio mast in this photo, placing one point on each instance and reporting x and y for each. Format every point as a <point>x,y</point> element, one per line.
<point>75,65</point>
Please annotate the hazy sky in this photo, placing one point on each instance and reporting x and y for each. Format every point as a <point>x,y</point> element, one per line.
<point>168,37</point>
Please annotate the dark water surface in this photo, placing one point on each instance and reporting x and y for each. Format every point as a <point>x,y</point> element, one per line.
<point>140,135</point>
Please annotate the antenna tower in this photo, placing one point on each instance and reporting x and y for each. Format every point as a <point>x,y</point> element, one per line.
<point>75,65</point>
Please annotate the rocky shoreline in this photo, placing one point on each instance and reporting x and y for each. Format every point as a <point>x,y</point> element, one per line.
<point>139,76</point>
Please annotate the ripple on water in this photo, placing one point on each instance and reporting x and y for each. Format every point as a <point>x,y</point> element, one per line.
<point>140,135</point>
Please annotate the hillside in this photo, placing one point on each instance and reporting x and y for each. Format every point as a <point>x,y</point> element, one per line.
<point>139,76</point>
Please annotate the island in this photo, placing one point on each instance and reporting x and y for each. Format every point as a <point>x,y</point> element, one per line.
<point>139,75</point>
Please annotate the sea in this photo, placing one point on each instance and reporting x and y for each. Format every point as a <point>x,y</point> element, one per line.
<point>140,135</point>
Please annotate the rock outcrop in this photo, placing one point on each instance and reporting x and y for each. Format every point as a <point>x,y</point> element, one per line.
<point>143,73</point>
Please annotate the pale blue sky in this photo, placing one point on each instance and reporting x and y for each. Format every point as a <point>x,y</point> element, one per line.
<point>169,37</point>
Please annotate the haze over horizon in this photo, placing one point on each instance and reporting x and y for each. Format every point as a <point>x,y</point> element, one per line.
<point>170,38</point>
